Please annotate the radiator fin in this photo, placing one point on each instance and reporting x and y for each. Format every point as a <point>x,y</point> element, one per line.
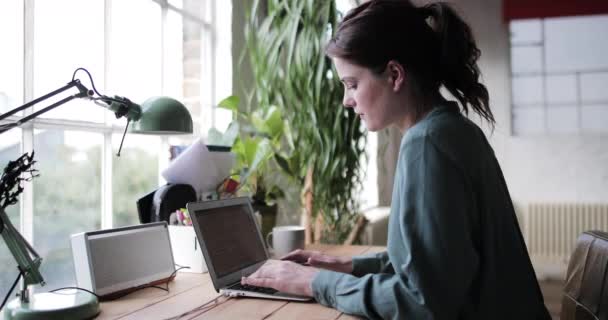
<point>551,229</point>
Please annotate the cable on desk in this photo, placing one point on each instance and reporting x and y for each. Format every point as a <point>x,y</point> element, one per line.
<point>275,311</point>
<point>202,308</point>
<point>172,275</point>
<point>166,289</point>
<point>77,288</point>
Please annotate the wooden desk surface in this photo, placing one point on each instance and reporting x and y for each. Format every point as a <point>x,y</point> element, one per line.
<point>190,290</point>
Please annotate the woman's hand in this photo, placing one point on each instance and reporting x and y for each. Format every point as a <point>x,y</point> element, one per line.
<point>285,276</point>
<point>320,260</point>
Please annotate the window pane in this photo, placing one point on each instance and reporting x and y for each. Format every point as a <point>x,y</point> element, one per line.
<point>562,119</point>
<point>177,3</point>
<point>594,118</point>
<point>10,150</point>
<point>223,80</point>
<point>527,90</point>
<point>526,31</point>
<point>594,87</point>
<point>576,43</point>
<point>66,198</point>
<point>134,174</point>
<point>135,50</point>
<point>528,120</point>
<point>62,44</point>
<point>196,60</point>
<point>11,55</point>
<point>526,59</point>
<point>561,89</point>
<point>175,63</point>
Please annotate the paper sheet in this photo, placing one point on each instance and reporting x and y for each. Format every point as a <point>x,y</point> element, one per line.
<point>199,167</point>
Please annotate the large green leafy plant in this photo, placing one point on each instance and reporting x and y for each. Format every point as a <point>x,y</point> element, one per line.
<point>285,46</point>
<point>255,138</point>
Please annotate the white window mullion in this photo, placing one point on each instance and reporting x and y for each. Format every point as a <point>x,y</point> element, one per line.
<point>163,161</point>
<point>27,201</point>
<point>213,69</point>
<point>106,153</point>
<point>163,47</point>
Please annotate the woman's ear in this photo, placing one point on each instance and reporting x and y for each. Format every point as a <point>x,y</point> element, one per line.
<point>396,74</point>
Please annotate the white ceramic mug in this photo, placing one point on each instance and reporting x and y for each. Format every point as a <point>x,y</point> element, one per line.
<point>285,239</point>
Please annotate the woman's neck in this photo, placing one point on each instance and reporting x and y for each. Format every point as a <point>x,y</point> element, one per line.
<point>413,116</point>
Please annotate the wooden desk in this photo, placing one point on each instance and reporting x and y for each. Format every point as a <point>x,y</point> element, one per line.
<point>189,291</point>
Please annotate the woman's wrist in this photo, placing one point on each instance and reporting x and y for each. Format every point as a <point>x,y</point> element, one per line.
<point>346,265</point>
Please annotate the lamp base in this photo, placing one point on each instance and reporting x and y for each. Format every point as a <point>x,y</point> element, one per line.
<point>64,304</point>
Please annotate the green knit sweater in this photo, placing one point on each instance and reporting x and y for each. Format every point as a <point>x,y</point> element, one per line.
<point>455,250</point>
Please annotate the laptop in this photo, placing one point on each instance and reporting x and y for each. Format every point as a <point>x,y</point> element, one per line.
<point>233,247</point>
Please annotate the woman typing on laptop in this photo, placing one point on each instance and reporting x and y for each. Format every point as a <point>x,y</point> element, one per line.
<point>454,250</point>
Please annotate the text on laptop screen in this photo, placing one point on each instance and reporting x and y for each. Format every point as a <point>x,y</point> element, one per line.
<point>231,237</point>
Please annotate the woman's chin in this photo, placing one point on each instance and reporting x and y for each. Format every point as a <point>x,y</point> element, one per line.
<point>372,129</point>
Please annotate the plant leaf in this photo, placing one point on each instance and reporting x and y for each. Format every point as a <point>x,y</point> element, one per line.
<point>231,103</point>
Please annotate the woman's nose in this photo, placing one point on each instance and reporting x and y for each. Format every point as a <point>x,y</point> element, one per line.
<point>348,102</point>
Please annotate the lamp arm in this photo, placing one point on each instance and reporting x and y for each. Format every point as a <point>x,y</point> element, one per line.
<point>26,257</point>
<point>121,106</point>
<point>83,92</point>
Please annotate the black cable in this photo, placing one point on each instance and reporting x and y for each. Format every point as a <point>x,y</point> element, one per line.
<point>90,78</point>
<point>123,295</point>
<point>138,289</point>
<point>101,96</point>
<point>161,288</point>
<point>202,308</point>
<point>77,288</point>
<point>106,98</point>
<point>150,286</point>
<point>8,294</point>
<point>174,273</point>
<point>178,268</point>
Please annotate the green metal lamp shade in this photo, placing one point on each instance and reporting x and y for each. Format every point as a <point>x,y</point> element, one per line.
<point>163,115</point>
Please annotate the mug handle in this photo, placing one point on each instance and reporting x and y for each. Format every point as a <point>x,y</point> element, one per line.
<point>268,240</point>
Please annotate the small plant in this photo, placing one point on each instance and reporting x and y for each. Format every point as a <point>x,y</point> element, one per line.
<point>256,139</point>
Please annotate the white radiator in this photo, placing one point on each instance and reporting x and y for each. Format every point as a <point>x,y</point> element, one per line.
<point>551,229</point>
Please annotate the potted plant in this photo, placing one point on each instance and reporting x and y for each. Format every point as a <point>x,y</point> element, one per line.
<point>285,42</point>
<point>255,138</point>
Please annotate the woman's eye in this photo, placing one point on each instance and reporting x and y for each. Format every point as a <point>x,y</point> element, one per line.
<point>351,86</point>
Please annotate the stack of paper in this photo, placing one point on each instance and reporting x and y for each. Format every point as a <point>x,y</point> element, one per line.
<point>200,168</point>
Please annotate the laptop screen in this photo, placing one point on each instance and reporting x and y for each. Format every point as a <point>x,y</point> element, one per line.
<point>231,237</point>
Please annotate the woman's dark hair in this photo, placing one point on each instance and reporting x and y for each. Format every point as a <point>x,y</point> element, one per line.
<point>432,43</point>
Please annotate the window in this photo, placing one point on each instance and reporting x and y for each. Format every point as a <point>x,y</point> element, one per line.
<point>10,149</point>
<point>135,48</point>
<point>66,197</point>
<point>368,195</point>
<point>559,75</point>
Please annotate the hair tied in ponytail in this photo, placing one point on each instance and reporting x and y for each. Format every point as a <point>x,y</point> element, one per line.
<point>428,15</point>
<point>425,12</point>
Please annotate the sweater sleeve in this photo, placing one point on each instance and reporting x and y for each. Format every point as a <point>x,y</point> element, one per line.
<point>430,245</point>
<point>373,263</point>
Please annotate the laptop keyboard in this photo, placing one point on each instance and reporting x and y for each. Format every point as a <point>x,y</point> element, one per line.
<point>239,286</point>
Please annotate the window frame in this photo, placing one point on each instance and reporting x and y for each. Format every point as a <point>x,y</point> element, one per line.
<point>106,128</point>
<point>544,76</point>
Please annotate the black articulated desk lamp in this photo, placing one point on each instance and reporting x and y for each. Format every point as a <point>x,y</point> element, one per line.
<point>156,116</point>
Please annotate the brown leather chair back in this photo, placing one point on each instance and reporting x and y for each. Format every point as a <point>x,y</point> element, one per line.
<point>586,288</point>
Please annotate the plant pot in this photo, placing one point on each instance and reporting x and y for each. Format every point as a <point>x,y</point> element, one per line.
<point>268,215</point>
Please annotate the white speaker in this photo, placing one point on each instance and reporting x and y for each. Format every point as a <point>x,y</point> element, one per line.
<point>114,261</point>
